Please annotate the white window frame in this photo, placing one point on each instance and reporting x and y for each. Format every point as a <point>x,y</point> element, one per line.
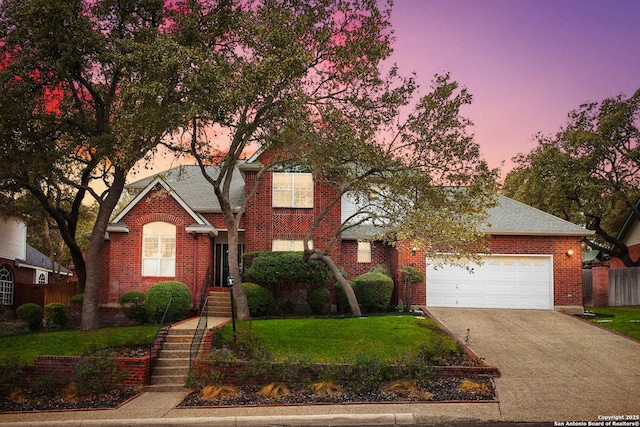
<point>6,285</point>
<point>292,190</point>
<point>364,252</point>
<point>42,278</point>
<point>158,249</point>
<point>289,245</point>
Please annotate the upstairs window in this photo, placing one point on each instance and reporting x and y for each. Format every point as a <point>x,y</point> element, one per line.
<point>283,245</point>
<point>159,249</point>
<point>6,285</point>
<point>364,252</point>
<point>292,190</point>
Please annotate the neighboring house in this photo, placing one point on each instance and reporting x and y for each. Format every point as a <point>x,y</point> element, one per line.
<point>629,234</point>
<point>21,264</point>
<point>173,230</point>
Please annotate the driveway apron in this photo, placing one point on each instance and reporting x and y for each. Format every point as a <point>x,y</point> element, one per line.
<point>554,366</point>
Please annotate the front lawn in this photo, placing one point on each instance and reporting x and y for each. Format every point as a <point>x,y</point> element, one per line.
<point>344,339</point>
<point>625,320</point>
<point>74,342</point>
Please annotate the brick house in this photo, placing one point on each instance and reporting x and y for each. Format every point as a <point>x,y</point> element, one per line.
<point>22,266</point>
<point>173,230</point>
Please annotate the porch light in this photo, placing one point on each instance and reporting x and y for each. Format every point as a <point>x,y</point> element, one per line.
<point>233,306</point>
<point>230,281</point>
<point>570,252</point>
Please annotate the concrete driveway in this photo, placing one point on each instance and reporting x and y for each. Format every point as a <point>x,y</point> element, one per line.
<point>554,367</point>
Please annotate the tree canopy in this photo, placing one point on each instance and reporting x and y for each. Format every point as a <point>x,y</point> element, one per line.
<point>88,89</point>
<point>588,173</point>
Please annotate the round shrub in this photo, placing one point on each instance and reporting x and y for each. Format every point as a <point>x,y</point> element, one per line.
<point>260,300</point>
<point>157,297</point>
<point>373,291</point>
<point>319,300</point>
<point>132,306</point>
<point>32,314</point>
<point>77,299</point>
<point>57,313</point>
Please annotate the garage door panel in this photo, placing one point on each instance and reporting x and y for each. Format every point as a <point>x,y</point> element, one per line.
<point>502,281</point>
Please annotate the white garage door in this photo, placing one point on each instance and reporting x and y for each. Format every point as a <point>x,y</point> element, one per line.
<point>502,281</point>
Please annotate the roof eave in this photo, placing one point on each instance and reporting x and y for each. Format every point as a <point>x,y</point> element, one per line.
<point>585,233</point>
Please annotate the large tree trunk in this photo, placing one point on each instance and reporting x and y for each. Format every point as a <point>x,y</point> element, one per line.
<point>348,290</point>
<point>90,310</point>
<point>240,299</point>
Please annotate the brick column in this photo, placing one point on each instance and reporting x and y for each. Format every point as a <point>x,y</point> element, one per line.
<point>600,287</point>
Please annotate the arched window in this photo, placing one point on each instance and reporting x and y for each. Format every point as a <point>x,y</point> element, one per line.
<point>42,278</point>
<point>159,249</point>
<point>6,285</point>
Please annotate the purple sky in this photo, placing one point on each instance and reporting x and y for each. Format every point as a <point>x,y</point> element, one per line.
<point>527,63</point>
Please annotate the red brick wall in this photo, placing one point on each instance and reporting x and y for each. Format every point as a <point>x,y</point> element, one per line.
<point>567,271</point>
<point>122,255</point>
<point>634,252</point>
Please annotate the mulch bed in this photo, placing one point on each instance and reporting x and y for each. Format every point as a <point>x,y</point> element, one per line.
<point>31,401</point>
<point>443,390</point>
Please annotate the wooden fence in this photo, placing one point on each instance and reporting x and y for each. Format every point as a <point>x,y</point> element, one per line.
<point>45,294</point>
<point>624,287</point>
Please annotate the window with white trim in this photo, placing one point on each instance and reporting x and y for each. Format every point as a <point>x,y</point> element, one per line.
<point>284,245</point>
<point>41,277</point>
<point>159,249</point>
<point>292,190</point>
<point>6,285</point>
<point>364,252</point>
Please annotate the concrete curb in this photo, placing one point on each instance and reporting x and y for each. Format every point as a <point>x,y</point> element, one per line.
<point>335,420</point>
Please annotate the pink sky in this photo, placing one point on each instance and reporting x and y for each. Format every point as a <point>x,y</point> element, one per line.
<point>527,63</point>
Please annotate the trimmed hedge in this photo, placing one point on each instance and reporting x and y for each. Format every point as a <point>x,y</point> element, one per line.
<point>157,297</point>
<point>57,313</point>
<point>373,291</point>
<point>260,300</point>
<point>132,306</point>
<point>277,268</point>
<point>32,314</point>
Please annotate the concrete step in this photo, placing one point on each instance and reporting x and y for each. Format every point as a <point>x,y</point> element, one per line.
<point>178,345</point>
<point>173,354</point>
<point>168,379</point>
<point>171,363</point>
<point>165,388</point>
<point>171,370</point>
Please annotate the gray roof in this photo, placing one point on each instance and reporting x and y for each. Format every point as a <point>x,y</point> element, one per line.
<point>189,183</point>
<point>511,217</point>
<point>37,259</point>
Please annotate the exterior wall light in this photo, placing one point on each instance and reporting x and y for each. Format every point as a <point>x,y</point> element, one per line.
<point>570,252</point>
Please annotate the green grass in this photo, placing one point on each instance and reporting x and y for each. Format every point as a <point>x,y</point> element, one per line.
<point>343,340</point>
<point>73,342</point>
<point>626,320</point>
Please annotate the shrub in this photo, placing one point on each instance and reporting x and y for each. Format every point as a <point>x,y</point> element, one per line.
<point>97,374</point>
<point>260,300</point>
<point>159,295</point>
<point>11,370</point>
<point>77,299</point>
<point>57,313</point>
<point>276,268</point>
<point>319,300</point>
<point>373,291</point>
<point>32,314</point>
<point>132,306</point>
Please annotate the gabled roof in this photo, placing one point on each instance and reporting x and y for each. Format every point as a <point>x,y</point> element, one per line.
<point>628,223</point>
<point>37,260</point>
<point>511,217</point>
<point>188,183</point>
<point>201,225</point>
